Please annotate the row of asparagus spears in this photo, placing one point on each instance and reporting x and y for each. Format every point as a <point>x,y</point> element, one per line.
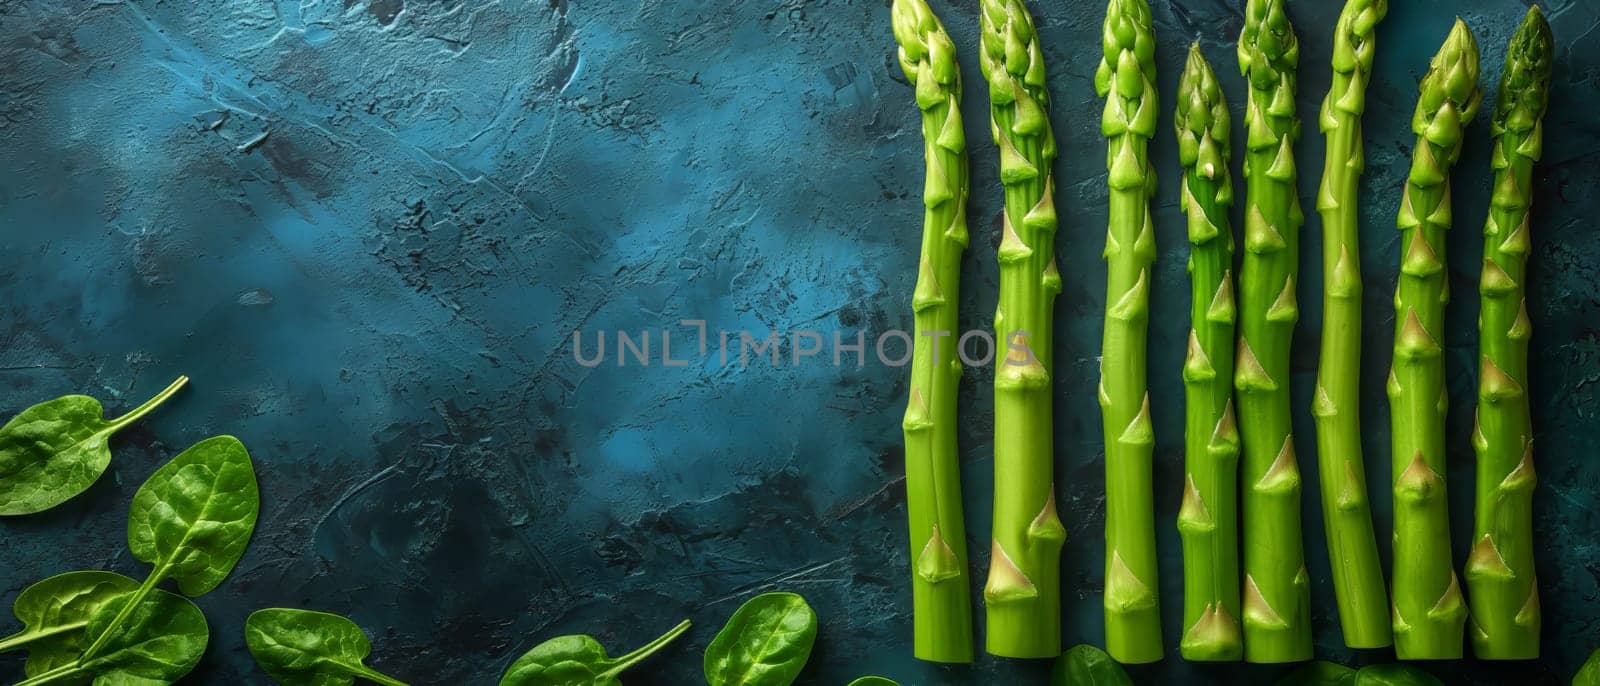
<point>1240,464</point>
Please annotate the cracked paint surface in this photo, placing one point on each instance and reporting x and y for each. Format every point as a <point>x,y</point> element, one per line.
<point>368,228</point>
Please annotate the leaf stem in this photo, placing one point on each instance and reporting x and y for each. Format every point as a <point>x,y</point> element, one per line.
<point>17,640</point>
<point>22,638</point>
<point>648,649</point>
<point>56,674</point>
<point>376,676</point>
<point>134,599</point>
<point>148,405</point>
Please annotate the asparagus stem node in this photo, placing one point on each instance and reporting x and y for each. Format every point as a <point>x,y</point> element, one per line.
<point>1022,597</point>
<point>1208,519</point>
<point>1429,612</point>
<point>1277,595</point>
<point>1126,78</point>
<point>1503,592</point>
<point>1358,583</point>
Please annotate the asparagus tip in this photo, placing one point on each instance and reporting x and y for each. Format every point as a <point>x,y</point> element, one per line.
<point>1449,94</point>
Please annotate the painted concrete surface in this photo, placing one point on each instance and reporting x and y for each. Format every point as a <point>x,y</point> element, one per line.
<point>369,228</point>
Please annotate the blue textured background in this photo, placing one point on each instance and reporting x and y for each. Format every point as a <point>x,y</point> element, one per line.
<point>379,300</point>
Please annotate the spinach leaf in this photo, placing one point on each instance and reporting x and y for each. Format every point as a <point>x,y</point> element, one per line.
<point>1086,665</point>
<point>193,517</point>
<point>765,643</point>
<point>161,641</point>
<point>307,648</point>
<point>1320,673</point>
<point>57,449</point>
<point>191,520</point>
<point>874,681</point>
<point>1589,673</point>
<point>579,661</point>
<point>162,638</point>
<point>54,613</point>
<point>1395,675</point>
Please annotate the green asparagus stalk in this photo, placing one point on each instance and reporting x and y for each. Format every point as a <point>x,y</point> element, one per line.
<point>1503,596</point>
<point>1358,582</point>
<point>1277,597</point>
<point>1429,613</point>
<point>1126,78</point>
<point>941,613</point>
<point>1208,521</point>
<point>1023,593</point>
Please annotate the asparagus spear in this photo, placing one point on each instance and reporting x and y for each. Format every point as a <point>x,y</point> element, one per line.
<point>1428,610</point>
<point>1023,593</point>
<point>1346,515</point>
<point>1209,518</point>
<point>1126,79</point>
<point>1503,595</point>
<point>1277,600</point>
<point>942,616</point>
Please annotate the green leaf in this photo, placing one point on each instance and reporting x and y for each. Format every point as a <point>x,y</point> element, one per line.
<point>308,648</point>
<point>1320,673</point>
<point>1589,673</point>
<point>1395,675</point>
<point>579,660</point>
<point>57,449</point>
<point>561,660</point>
<point>191,520</point>
<point>874,681</point>
<point>1086,665</point>
<point>193,517</point>
<point>765,643</point>
<point>55,612</point>
<point>161,640</point>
